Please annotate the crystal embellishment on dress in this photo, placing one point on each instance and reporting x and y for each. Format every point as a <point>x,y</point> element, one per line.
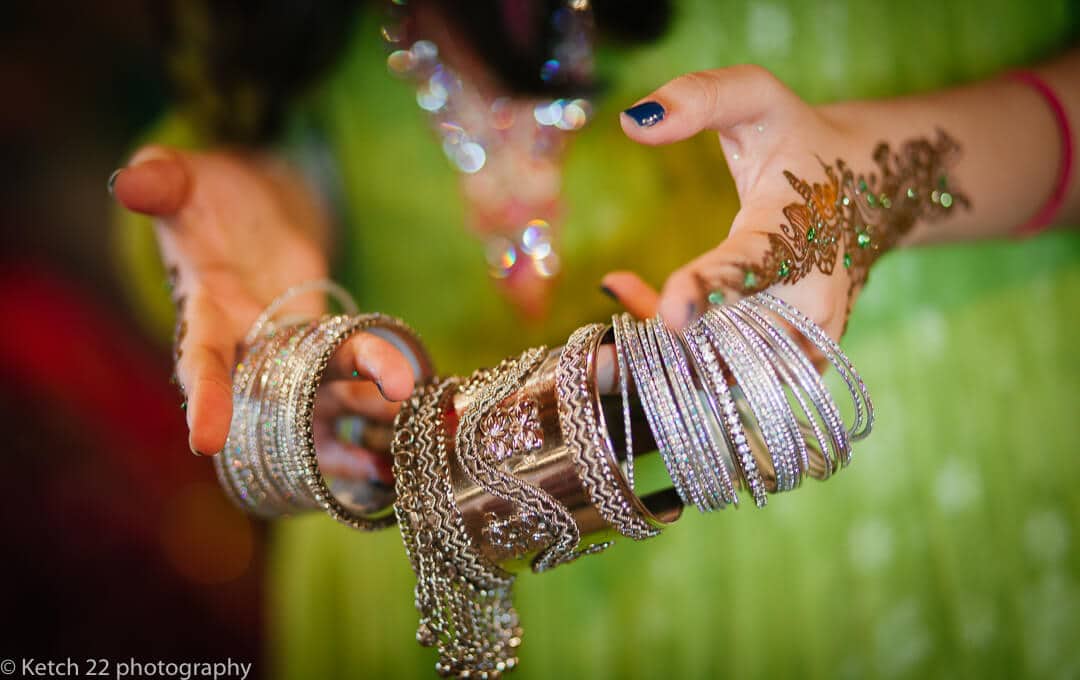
<point>493,141</point>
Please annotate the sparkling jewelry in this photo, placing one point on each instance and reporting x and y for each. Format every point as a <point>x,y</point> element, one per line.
<point>514,467</point>
<point>860,396</point>
<point>581,420</point>
<point>753,382</point>
<point>489,139</point>
<point>725,411</point>
<point>486,473</point>
<point>774,382</point>
<point>624,393</point>
<point>802,377</point>
<point>269,464</point>
<point>649,380</point>
<point>709,456</point>
<point>853,218</point>
<point>464,602</point>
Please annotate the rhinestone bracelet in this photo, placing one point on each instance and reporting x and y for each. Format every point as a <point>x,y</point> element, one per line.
<point>864,407</point>
<point>774,383</point>
<point>837,446</point>
<point>751,384</point>
<point>515,466</point>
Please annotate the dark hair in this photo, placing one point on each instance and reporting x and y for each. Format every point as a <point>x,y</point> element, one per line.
<point>237,64</point>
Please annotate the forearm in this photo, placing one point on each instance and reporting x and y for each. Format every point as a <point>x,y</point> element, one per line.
<point>1010,141</point>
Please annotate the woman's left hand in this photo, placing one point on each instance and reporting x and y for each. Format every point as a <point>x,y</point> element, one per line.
<point>790,227</point>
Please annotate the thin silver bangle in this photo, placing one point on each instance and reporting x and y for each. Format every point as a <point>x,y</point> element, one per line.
<point>707,455</point>
<point>864,407</point>
<point>624,393</point>
<point>669,416</point>
<point>778,378</point>
<point>810,382</point>
<point>724,410</point>
<point>751,382</point>
<point>643,380</point>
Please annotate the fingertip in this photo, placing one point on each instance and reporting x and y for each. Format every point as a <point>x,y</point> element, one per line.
<point>642,122</point>
<point>639,298</point>
<point>677,312</point>
<point>209,415</point>
<point>620,282</point>
<point>155,183</point>
<point>377,359</point>
<point>397,385</point>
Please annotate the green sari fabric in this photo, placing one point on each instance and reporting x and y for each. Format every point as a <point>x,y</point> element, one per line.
<point>948,548</point>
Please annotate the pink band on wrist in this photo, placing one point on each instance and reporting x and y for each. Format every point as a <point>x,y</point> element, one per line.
<point>1049,211</point>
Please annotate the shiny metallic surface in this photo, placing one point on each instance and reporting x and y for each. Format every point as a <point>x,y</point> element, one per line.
<point>550,468</point>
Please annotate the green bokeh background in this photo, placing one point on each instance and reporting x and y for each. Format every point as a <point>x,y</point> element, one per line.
<point>948,549</point>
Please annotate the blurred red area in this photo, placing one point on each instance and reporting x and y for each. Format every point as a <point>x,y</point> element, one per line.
<point>117,542</point>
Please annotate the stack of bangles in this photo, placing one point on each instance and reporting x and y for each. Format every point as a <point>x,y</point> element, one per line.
<point>515,467</point>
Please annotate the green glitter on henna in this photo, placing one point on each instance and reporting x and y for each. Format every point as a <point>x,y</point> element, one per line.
<point>829,224</point>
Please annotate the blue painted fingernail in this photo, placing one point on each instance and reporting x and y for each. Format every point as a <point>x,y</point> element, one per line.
<point>691,311</point>
<point>610,293</point>
<point>646,114</point>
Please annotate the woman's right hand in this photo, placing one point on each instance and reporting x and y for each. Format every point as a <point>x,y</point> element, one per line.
<point>235,231</point>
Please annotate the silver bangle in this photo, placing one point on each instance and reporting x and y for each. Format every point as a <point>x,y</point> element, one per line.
<point>624,394</point>
<point>837,446</point>
<point>653,417</point>
<point>706,458</point>
<point>678,444</point>
<point>864,407</point>
<point>774,376</point>
<point>269,459</point>
<point>748,376</point>
<point>724,411</point>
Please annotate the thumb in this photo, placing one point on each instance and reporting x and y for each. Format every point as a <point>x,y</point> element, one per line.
<point>716,100</point>
<point>752,258</point>
<point>739,266</point>
<point>155,183</point>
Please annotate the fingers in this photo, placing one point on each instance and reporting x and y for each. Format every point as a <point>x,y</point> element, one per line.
<point>727,272</point>
<point>370,357</point>
<point>607,370</point>
<point>352,397</point>
<point>349,461</point>
<point>707,100</point>
<point>687,291</point>
<point>204,371</point>
<point>155,183</point>
<point>638,297</point>
<point>337,459</point>
<point>748,261</point>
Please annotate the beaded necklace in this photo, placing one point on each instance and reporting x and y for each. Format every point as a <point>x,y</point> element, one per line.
<point>507,151</point>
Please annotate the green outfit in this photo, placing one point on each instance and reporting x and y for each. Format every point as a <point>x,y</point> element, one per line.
<point>948,548</point>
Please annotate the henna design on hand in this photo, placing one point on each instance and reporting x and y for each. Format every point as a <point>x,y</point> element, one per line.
<point>854,219</point>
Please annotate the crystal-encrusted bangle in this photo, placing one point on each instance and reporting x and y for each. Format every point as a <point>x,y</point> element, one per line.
<point>836,446</point>
<point>773,379</point>
<point>864,407</point>
<point>269,459</point>
<point>724,411</point>
<point>753,383</point>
